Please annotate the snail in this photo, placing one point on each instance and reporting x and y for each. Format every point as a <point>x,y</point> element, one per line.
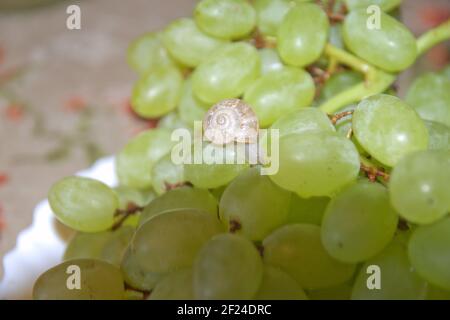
<point>231,120</point>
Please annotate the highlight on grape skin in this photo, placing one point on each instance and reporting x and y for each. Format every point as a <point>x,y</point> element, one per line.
<point>363,177</point>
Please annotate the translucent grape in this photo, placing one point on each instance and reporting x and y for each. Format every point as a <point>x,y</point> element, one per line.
<point>177,285</point>
<point>385,5</point>
<point>302,35</point>
<point>309,211</point>
<point>270,60</point>
<point>129,195</point>
<point>388,128</point>
<point>297,250</point>
<point>227,267</point>
<point>83,204</point>
<point>171,240</point>
<point>135,276</point>
<point>439,135</point>
<point>271,14</point>
<point>358,223</point>
<point>147,53</point>
<point>191,109</point>
<point>399,281</point>
<point>389,45</point>
<point>114,249</point>
<point>135,162</point>
<point>446,71</point>
<point>419,186</point>
<point>252,205</point>
<point>86,245</point>
<point>157,93</point>
<point>429,252</point>
<point>98,281</point>
<point>225,19</point>
<point>187,44</point>
<point>435,293</point>
<point>429,95</point>
<point>181,198</point>
<point>173,121</point>
<point>227,73</point>
<point>278,285</point>
<point>280,92</point>
<point>316,163</point>
<point>339,82</point>
<point>166,173</point>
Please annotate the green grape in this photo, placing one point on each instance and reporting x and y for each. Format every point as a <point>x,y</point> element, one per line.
<point>335,36</point>
<point>135,276</point>
<point>429,95</point>
<point>115,247</point>
<point>439,135</point>
<point>187,44</point>
<point>429,252</point>
<point>271,14</point>
<point>303,120</point>
<point>385,5</point>
<point>358,223</point>
<point>157,93</point>
<point>213,175</point>
<point>177,285</point>
<point>165,173</point>
<point>339,82</point>
<point>278,285</point>
<point>218,192</point>
<point>170,241</point>
<point>173,121</point>
<point>225,19</point>
<point>388,128</point>
<point>297,250</point>
<point>135,162</point>
<point>129,195</point>
<point>339,292</point>
<point>83,204</point>
<point>389,45</point>
<point>191,109</point>
<point>227,267</point>
<point>280,92</point>
<point>435,293</point>
<point>147,53</point>
<point>302,35</point>
<point>316,163</point>
<point>270,60</point>
<point>253,206</point>
<point>227,73</point>
<point>86,245</point>
<point>446,71</point>
<point>309,211</point>
<point>419,186</point>
<point>180,198</point>
<point>399,281</point>
<point>98,280</point>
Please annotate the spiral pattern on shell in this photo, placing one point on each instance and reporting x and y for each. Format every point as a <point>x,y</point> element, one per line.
<point>231,120</point>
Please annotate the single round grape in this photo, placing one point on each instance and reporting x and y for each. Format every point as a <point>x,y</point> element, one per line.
<point>227,73</point>
<point>278,285</point>
<point>135,162</point>
<point>177,285</point>
<point>339,82</point>
<point>83,204</point>
<point>253,206</point>
<point>135,276</point>
<point>86,245</point>
<point>439,135</point>
<point>358,223</point>
<point>129,196</point>
<point>297,250</point>
<point>388,128</point>
<point>385,5</point>
<point>270,60</point>
<point>171,240</point>
<point>191,108</point>
<point>98,280</point>
<point>227,267</point>
<point>280,92</point>
<point>302,35</point>
<point>399,281</point>
<point>271,14</point>
<point>316,163</point>
<point>187,44</point>
<point>225,19</point>
<point>166,173</point>
<point>114,249</point>
<point>147,53</point>
<point>429,95</point>
<point>389,45</point>
<point>309,211</point>
<point>419,186</point>
<point>181,198</point>
<point>429,252</point>
<point>157,93</point>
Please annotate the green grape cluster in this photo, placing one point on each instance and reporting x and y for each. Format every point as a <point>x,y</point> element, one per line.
<point>362,179</point>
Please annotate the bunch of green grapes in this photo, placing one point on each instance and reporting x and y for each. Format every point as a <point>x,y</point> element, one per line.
<point>357,208</point>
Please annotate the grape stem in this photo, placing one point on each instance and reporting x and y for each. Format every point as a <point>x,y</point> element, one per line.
<point>336,117</point>
<point>433,37</point>
<point>372,171</point>
<point>123,214</point>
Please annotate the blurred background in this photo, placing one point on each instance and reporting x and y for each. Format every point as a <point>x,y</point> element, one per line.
<point>64,94</point>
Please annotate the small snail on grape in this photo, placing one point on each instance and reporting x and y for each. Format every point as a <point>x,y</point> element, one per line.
<point>231,120</point>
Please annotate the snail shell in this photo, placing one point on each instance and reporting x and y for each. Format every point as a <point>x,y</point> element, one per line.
<point>231,120</point>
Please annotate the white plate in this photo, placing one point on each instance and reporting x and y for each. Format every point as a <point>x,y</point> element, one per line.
<point>40,247</point>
